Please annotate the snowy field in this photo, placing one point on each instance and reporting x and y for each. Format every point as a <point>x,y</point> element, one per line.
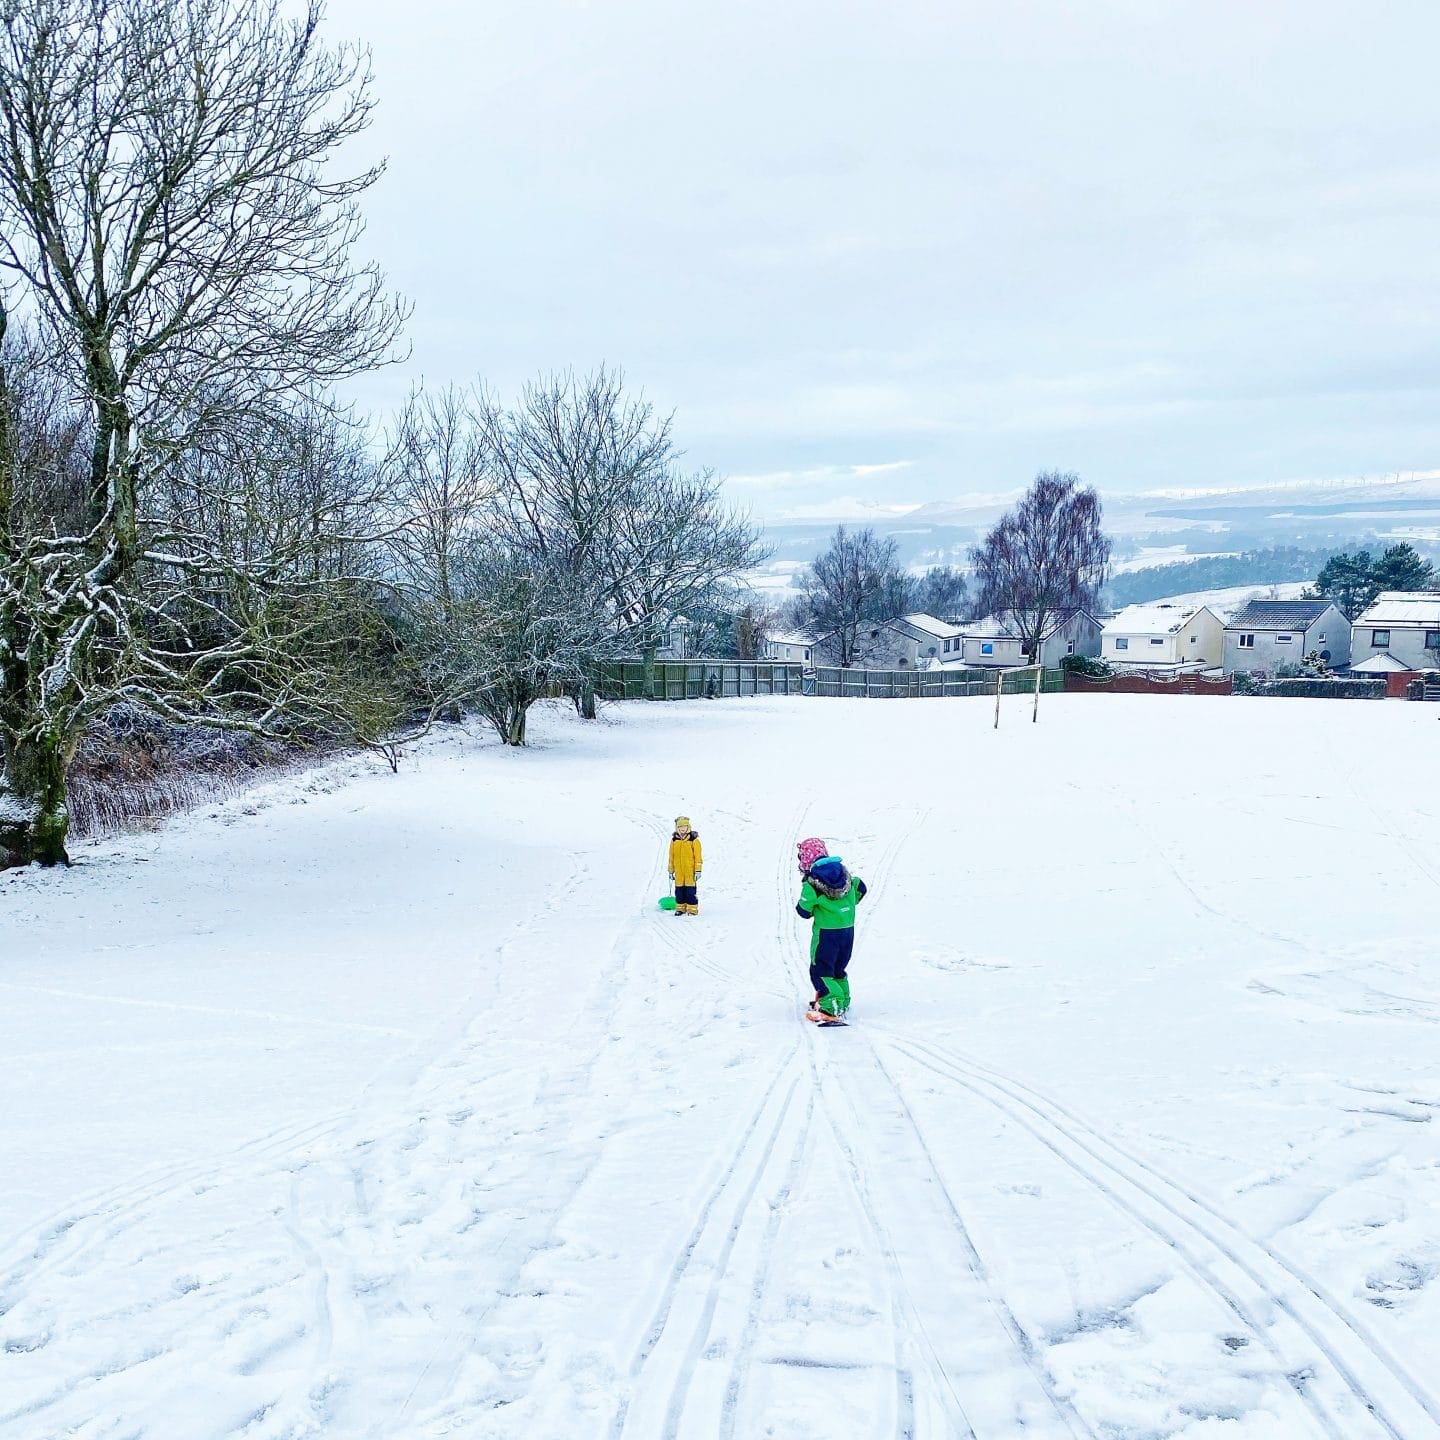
<point>383,1105</point>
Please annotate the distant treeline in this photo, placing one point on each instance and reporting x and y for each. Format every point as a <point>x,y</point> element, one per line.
<point>1214,572</point>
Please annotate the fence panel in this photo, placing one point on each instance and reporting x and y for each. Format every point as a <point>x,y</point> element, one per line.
<point>697,679</point>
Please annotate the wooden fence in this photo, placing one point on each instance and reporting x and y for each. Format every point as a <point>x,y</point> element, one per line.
<point>700,679</point>
<point>919,684</point>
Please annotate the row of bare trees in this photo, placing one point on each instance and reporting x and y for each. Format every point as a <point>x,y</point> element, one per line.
<point>176,237</point>
<point>535,540</point>
<point>1046,558</point>
<point>189,523</point>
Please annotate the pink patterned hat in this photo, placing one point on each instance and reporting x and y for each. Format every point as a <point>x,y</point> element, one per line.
<point>809,851</point>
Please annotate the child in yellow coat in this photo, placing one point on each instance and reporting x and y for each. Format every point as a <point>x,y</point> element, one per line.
<point>685,860</point>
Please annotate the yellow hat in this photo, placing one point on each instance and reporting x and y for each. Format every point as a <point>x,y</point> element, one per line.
<point>682,822</point>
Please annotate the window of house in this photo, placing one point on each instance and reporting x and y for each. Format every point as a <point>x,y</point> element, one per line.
<point>1070,648</point>
<point>1157,640</point>
<point>1122,642</point>
<point>1432,639</point>
<point>1379,639</point>
<point>1194,639</point>
<point>987,648</point>
<point>1284,639</point>
<point>1321,637</point>
<point>807,654</point>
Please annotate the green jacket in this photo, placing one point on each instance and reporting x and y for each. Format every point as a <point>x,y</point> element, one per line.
<point>831,912</point>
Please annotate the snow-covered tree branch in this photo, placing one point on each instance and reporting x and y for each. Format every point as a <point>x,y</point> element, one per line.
<point>172,215</point>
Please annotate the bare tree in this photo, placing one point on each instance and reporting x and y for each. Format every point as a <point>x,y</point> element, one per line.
<point>588,479</point>
<point>1045,559</point>
<point>439,482</point>
<point>524,628</point>
<point>671,554</point>
<point>755,622</point>
<point>170,210</point>
<point>855,580</point>
<point>943,591</point>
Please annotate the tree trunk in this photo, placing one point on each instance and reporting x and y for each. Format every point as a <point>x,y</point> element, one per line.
<point>515,725</point>
<point>585,700</point>
<point>647,654</point>
<point>34,816</point>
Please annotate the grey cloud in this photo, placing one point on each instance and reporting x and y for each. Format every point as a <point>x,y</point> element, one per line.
<point>1187,242</point>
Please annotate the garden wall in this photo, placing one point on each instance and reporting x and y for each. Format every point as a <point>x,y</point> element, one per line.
<point>1147,685</point>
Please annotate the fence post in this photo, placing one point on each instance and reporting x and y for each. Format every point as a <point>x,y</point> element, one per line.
<point>999,686</point>
<point>1039,676</point>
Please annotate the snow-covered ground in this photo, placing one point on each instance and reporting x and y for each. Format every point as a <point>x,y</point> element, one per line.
<point>1229,600</point>
<point>393,1106</point>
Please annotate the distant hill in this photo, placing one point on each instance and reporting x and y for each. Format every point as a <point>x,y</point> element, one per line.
<point>1230,599</point>
<point>1273,566</point>
<point>1266,533</point>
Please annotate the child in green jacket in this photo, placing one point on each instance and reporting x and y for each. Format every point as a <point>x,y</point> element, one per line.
<point>828,897</point>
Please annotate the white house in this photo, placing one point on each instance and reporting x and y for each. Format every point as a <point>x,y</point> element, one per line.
<point>793,645</point>
<point>1164,637</point>
<point>909,642</point>
<point>1403,623</point>
<point>919,639</point>
<point>995,640</point>
<point>1267,633</point>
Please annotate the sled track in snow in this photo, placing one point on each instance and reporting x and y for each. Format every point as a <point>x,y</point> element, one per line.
<point>1367,1385</point>
<point>685,1308</point>
<point>904,1315</point>
<point>907,1315</point>
<point>972,1263</point>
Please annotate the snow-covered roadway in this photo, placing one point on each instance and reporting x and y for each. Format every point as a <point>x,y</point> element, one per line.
<point>391,1106</point>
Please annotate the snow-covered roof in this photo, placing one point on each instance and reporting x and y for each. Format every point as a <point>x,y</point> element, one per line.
<point>1382,664</point>
<point>1278,615</point>
<point>993,627</point>
<point>1404,607</point>
<point>1153,619</point>
<point>1003,626</point>
<point>792,637</point>
<point>940,629</point>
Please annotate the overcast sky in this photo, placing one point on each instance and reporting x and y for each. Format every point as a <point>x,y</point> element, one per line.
<point>909,251</point>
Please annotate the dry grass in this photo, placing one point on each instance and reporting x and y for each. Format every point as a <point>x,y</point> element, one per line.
<point>132,770</point>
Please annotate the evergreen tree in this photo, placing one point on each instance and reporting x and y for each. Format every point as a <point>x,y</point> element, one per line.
<point>1353,581</point>
<point>1346,579</point>
<point>1400,568</point>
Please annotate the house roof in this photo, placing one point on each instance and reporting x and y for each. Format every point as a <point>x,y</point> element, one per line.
<point>792,637</point>
<point>1382,664</point>
<point>1154,619</point>
<point>929,625</point>
<point>1404,607</point>
<point>1278,615</point>
<point>1003,626</point>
